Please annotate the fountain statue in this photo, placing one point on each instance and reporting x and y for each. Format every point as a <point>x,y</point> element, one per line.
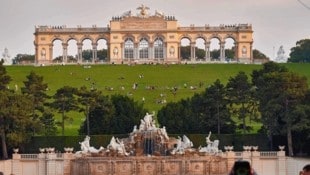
<point>212,146</point>
<point>148,150</point>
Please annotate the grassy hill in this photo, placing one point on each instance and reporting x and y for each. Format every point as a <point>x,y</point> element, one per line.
<point>154,81</point>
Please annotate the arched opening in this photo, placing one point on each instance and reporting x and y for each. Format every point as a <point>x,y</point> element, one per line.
<point>230,49</point>
<point>57,55</point>
<point>72,51</point>
<point>158,48</point>
<point>143,49</point>
<point>128,49</point>
<point>200,49</point>
<point>102,50</point>
<point>185,49</point>
<point>215,49</point>
<point>87,51</point>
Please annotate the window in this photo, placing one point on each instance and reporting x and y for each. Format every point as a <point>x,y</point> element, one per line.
<point>129,47</point>
<point>143,49</point>
<point>158,48</point>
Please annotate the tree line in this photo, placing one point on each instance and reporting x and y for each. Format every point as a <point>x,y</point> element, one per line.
<point>273,95</point>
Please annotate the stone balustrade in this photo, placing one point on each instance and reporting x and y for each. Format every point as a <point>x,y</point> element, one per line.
<point>51,163</point>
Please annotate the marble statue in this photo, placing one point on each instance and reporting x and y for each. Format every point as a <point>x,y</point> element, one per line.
<point>6,57</point>
<point>212,146</point>
<point>182,145</point>
<point>281,58</point>
<point>118,146</point>
<point>86,148</point>
<point>147,123</point>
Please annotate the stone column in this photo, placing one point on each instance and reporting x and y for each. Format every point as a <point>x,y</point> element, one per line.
<point>236,51</point>
<point>94,45</point>
<point>151,51</point>
<point>16,164</point>
<point>207,47</point>
<point>79,46</point>
<point>42,163</point>
<point>230,155</point>
<point>67,163</point>
<point>222,51</point>
<point>36,54</point>
<point>251,53</point>
<point>255,162</point>
<point>179,52</point>
<point>136,51</point>
<point>193,51</point>
<point>65,52</point>
<point>281,163</point>
<point>51,164</point>
<point>50,48</point>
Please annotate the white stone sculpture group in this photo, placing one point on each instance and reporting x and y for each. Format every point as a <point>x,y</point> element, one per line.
<point>147,125</point>
<point>212,146</point>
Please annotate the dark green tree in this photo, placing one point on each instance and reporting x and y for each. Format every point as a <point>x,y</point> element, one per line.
<point>16,123</point>
<point>259,55</point>
<point>127,113</point>
<point>87,54</point>
<point>24,58</point>
<point>200,53</point>
<point>101,116</point>
<point>102,54</point>
<point>49,123</point>
<point>87,98</point>
<point>301,52</point>
<point>241,96</point>
<point>177,116</point>
<point>216,103</point>
<point>185,52</point>
<point>215,54</point>
<point>65,100</point>
<point>281,94</point>
<point>4,78</point>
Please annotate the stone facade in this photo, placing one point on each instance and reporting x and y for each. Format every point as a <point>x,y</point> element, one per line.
<point>144,39</point>
<point>267,163</point>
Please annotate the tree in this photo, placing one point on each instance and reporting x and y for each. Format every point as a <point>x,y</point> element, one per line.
<point>100,116</point>
<point>240,93</point>
<point>185,52</point>
<point>102,54</point>
<point>200,53</point>
<point>65,101</point>
<point>127,113</point>
<point>280,95</point>
<point>4,81</point>
<point>49,124</point>
<point>87,98</point>
<point>177,116</point>
<point>24,58</point>
<point>4,78</point>
<point>215,54</point>
<point>259,55</point>
<point>301,52</point>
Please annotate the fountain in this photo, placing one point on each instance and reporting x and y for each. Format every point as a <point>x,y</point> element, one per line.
<point>149,151</point>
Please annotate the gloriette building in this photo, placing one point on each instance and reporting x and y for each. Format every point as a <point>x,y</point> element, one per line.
<point>144,38</point>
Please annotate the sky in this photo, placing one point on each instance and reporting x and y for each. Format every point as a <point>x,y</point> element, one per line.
<point>274,22</point>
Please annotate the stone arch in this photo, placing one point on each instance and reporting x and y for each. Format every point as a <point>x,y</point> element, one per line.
<point>158,36</point>
<point>187,36</point>
<point>58,48</point>
<point>200,48</point>
<point>230,47</point>
<point>146,36</point>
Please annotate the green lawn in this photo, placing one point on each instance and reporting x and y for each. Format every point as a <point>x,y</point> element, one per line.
<point>122,77</point>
